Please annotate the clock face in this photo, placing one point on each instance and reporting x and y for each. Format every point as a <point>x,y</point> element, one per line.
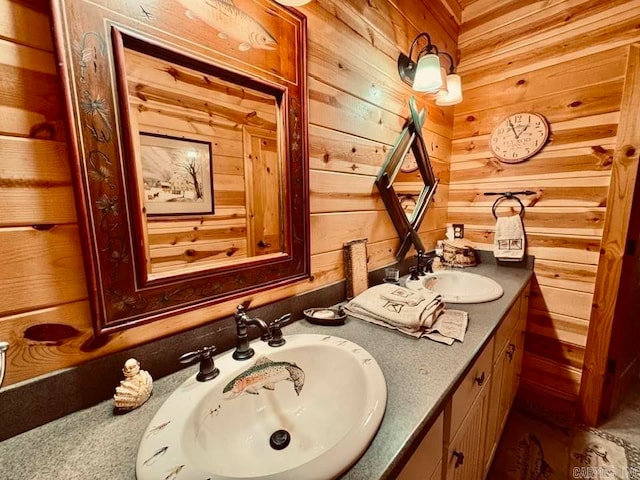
<point>518,137</point>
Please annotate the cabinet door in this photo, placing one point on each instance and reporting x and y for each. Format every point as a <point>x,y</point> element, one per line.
<point>494,411</point>
<point>426,461</point>
<point>465,455</point>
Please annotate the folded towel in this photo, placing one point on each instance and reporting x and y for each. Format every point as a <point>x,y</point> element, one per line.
<point>509,240</point>
<point>397,307</point>
<point>451,325</point>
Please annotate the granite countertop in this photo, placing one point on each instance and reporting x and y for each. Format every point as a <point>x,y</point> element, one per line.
<point>420,374</point>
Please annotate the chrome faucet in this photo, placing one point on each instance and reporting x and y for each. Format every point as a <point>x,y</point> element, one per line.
<point>243,350</point>
<point>3,360</point>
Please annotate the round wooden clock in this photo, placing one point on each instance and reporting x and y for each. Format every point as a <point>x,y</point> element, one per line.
<point>519,137</point>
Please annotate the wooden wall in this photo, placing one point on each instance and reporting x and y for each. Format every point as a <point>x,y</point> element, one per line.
<point>357,108</point>
<point>565,60</point>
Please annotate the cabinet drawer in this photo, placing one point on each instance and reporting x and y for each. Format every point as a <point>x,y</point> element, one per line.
<point>471,386</point>
<point>504,330</point>
<point>427,457</point>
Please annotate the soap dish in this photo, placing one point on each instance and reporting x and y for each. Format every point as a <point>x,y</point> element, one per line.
<point>325,316</point>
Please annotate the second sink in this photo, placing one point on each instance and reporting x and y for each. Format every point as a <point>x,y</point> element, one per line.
<point>458,286</point>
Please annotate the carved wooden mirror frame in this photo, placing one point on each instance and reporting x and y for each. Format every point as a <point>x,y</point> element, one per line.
<point>89,37</point>
<point>410,139</point>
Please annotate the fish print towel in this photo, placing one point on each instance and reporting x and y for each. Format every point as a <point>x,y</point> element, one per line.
<point>509,241</point>
<point>419,314</point>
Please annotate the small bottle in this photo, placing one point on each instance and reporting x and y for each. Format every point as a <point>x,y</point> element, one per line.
<point>439,248</point>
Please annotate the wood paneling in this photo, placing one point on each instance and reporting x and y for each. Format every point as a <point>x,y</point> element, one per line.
<point>567,60</point>
<point>357,108</point>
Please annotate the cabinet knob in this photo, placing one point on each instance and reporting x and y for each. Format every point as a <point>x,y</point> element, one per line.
<point>459,458</point>
<point>510,351</point>
<point>480,379</point>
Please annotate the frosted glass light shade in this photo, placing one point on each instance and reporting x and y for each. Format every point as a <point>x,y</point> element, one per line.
<point>454,96</point>
<point>293,3</point>
<point>428,77</point>
<point>443,91</point>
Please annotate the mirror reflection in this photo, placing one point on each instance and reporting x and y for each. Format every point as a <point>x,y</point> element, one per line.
<point>208,165</point>
<point>408,184</point>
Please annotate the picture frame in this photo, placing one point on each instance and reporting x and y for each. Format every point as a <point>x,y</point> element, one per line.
<point>176,176</point>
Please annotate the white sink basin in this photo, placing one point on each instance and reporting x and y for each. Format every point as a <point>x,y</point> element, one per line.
<point>328,393</point>
<point>458,286</point>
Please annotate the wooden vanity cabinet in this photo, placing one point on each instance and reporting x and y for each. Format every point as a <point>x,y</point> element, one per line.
<point>466,420</point>
<point>426,461</point>
<point>465,436</point>
<point>507,364</point>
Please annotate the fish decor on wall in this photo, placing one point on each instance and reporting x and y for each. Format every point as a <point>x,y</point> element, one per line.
<point>264,374</point>
<point>230,22</point>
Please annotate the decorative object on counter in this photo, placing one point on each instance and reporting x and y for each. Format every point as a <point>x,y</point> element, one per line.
<point>392,183</point>
<point>4,346</point>
<point>135,389</point>
<point>519,137</point>
<point>325,316</point>
<point>458,253</point>
<point>391,275</point>
<point>509,240</point>
<point>208,370</point>
<point>427,75</point>
<point>355,266</point>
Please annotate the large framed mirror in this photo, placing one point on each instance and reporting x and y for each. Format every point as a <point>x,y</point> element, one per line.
<point>188,133</point>
<point>407,183</point>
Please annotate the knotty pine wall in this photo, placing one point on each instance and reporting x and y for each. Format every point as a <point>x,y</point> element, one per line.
<point>565,60</point>
<point>357,106</point>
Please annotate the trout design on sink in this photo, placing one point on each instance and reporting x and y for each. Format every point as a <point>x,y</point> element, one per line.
<point>264,374</point>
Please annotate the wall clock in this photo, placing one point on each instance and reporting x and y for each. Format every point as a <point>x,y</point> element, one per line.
<point>410,164</point>
<point>519,137</point>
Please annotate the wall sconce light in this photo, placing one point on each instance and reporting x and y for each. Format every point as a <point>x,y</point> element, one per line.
<point>427,76</point>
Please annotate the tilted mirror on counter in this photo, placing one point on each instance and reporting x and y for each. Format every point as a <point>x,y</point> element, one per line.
<point>188,123</point>
<point>406,182</point>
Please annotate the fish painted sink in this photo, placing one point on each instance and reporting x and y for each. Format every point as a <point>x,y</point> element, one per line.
<point>459,286</point>
<point>306,410</point>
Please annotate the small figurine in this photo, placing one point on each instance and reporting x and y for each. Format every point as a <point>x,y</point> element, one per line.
<point>135,389</point>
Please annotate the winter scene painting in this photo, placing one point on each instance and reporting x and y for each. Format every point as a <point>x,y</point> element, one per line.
<point>177,175</point>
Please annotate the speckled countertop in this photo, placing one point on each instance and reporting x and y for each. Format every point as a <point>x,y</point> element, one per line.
<point>420,374</point>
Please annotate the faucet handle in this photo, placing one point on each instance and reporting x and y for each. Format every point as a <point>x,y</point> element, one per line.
<point>277,339</point>
<point>208,370</point>
<point>414,273</point>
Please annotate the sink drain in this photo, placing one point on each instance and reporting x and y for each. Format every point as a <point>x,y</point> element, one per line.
<point>279,439</point>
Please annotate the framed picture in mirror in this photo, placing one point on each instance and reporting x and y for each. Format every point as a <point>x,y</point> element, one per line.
<point>188,140</point>
<point>176,175</point>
